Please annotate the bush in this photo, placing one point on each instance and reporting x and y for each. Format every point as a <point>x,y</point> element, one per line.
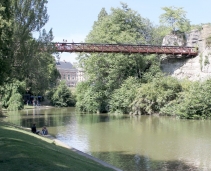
<point>89,99</point>
<point>153,96</point>
<point>62,96</point>
<point>122,98</point>
<point>15,102</point>
<point>11,95</point>
<point>194,103</point>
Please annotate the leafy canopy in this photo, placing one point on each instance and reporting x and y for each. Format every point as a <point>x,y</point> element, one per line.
<point>175,18</point>
<point>107,72</point>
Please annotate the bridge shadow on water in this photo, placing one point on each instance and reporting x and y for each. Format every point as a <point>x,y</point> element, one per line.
<point>129,162</point>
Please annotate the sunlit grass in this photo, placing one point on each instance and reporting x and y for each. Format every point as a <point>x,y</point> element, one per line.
<point>23,150</point>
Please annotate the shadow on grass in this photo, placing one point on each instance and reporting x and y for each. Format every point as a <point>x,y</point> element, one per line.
<point>22,150</point>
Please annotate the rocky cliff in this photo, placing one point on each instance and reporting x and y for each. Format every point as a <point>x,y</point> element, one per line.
<point>197,68</point>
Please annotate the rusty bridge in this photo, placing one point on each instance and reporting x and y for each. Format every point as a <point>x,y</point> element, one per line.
<point>125,48</point>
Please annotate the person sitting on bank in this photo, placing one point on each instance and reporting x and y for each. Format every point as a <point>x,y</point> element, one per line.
<point>34,129</point>
<point>44,131</point>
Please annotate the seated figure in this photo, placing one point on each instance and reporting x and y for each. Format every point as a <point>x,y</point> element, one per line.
<point>34,129</point>
<point>44,131</point>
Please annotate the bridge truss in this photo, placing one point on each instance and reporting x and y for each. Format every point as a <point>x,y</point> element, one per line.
<point>125,48</point>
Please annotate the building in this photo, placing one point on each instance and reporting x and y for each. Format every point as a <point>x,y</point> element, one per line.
<point>80,75</point>
<point>70,73</point>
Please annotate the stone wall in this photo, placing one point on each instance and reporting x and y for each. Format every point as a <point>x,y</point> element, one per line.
<point>197,68</point>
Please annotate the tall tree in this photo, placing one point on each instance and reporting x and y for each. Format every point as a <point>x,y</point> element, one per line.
<point>175,18</point>
<point>102,14</point>
<point>106,72</point>
<point>6,33</point>
<point>31,64</point>
<point>29,16</point>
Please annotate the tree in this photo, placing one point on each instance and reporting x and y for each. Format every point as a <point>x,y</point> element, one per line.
<point>193,103</point>
<point>122,98</point>
<point>31,64</point>
<point>6,33</point>
<point>102,14</point>
<point>153,96</point>
<point>62,96</point>
<point>106,72</point>
<point>175,18</point>
<point>26,59</point>
<point>11,94</point>
<point>159,32</point>
<point>29,16</point>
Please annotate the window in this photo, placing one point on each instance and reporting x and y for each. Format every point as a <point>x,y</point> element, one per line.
<point>68,77</point>
<point>64,76</point>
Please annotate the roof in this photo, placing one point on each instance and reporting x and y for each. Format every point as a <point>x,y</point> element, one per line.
<point>64,65</point>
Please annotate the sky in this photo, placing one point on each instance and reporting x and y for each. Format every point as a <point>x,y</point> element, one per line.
<point>72,20</point>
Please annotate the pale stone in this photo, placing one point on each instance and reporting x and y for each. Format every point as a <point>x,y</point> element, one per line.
<point>197,68</point>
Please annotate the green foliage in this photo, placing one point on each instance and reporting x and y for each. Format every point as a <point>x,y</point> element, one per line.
<point>62,96</point>
<point>15,102</point>
<point>152,69</point>
<point>35,67</point>
<point>102,14</point>
<point>194,103</point>
<point>107,72</point>
<point>6,33</point>
<point>21,57</point>
<point>159,32</point>
<point>42,74</point>
<point>90,98</point>
<point>124,96</point>
<point>199,26</point>
<point>11,95</point>
<point>153,96</point>
<point>175,18</point>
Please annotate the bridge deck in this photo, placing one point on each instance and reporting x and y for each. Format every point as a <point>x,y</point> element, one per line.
<point>125,48</point>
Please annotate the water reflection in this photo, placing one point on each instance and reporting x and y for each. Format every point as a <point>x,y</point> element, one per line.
<point>131,143</point>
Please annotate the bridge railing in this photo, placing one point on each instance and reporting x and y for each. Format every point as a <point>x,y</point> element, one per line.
<point>125,48</point>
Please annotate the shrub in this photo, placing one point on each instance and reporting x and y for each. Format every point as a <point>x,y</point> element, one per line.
<point>15,102</point>
<point>89,98</point>
<point>151,97</point>
<point>193,103</point>
<point>122,98</point>
<point>62,96</point>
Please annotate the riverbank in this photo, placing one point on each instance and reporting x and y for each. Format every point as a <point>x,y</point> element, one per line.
<point>22,150</point>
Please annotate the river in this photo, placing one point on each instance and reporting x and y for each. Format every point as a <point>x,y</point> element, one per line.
<point>132,143</point>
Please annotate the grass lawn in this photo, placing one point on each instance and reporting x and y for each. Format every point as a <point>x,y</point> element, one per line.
<point>21,150</point>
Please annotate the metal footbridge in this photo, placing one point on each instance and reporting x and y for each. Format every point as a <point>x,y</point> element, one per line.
<point>125,48</point>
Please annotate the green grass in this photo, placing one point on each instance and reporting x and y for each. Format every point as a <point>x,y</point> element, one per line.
<point>21,150</point>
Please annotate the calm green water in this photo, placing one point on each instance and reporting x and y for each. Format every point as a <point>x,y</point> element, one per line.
<point>148,143</point>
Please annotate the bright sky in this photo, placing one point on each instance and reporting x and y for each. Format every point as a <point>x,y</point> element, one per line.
<point>73,19</point>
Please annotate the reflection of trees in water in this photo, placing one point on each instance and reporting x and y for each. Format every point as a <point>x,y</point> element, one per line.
<point>160,138</point>
<point>142,163</point>
<point>49,117</point>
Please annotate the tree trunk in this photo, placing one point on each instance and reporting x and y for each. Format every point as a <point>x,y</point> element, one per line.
<point>1,113</point>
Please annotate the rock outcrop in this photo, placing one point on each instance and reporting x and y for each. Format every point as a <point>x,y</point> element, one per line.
<point>196,68</point>
<point>174,39</point>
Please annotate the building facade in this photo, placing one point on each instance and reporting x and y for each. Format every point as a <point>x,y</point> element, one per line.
<point>70,73</point>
